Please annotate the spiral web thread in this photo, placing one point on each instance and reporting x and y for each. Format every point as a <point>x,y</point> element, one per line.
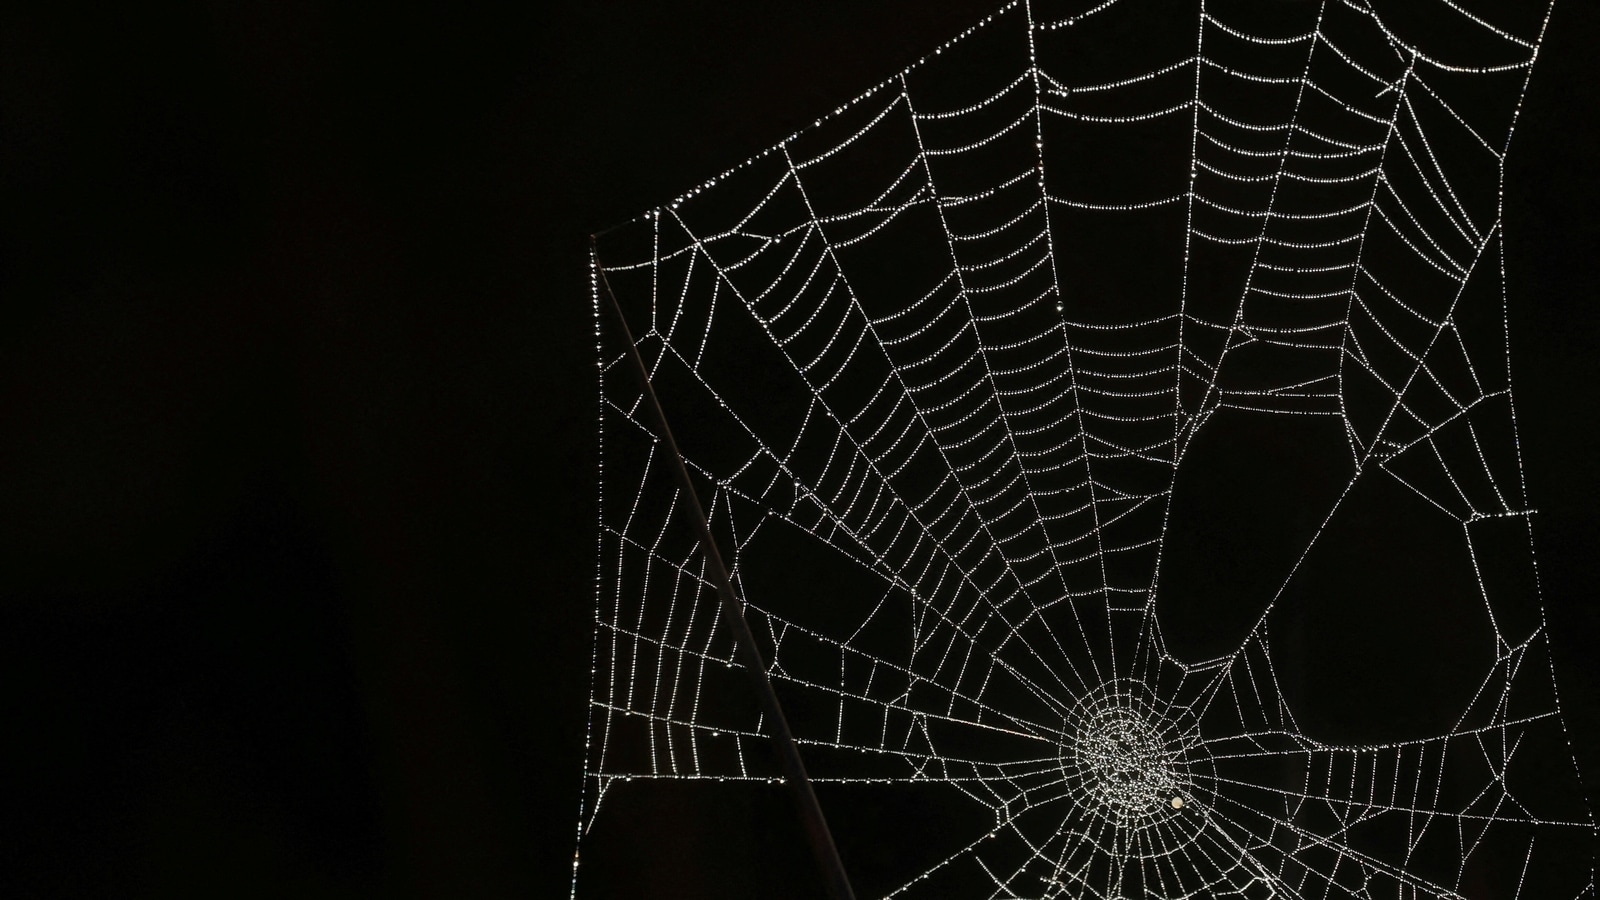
<point>939,438</point>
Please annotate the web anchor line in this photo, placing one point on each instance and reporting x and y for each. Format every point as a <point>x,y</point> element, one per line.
<point>794,770</point>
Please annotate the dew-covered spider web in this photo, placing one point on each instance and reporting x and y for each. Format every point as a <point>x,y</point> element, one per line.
<point>1108,424</point>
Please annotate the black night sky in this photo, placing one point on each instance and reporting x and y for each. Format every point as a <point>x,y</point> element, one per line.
<point>297,515</point>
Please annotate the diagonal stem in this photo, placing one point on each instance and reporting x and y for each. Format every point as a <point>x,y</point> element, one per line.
<point>794,770</point>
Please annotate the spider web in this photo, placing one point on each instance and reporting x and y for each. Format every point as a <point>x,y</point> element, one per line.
<point>973,469</point>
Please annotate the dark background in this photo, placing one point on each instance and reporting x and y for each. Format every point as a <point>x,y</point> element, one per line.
<point>296,515</point>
